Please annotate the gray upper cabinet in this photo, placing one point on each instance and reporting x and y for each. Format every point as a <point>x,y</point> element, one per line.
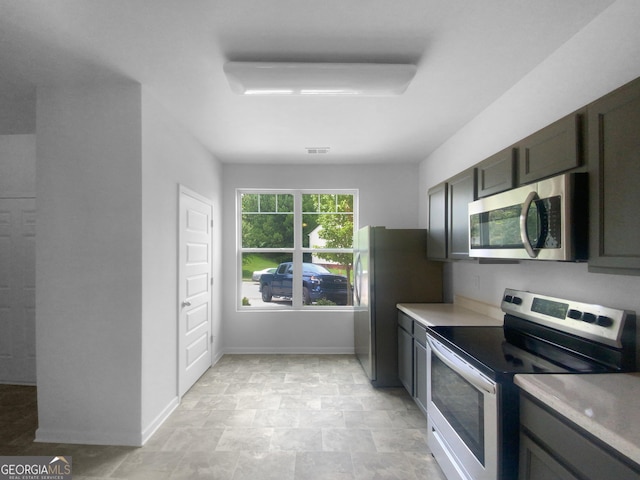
<point>448,237</point>
<point>460,192</point>
<point>552,150</point>
<point>437,228</point>
<point>614,175</point>
<point>497,173</point>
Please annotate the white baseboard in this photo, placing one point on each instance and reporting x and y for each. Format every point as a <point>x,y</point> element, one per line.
<point>18,382</point>
<point>127,439</point>
<point>101,437</point>
<point>292,350</point>
<point>148,432</point>
<point>216,358</point>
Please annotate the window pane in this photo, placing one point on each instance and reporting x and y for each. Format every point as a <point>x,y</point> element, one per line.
<point>345,203</point>
<point>254,266</point>
<point>327,203</point>
<point>285,203</point>
<point>327,221</point>
<point>250,202</point>
<point>267,230</point>
<point>268,203</point>
<point>326,283</point>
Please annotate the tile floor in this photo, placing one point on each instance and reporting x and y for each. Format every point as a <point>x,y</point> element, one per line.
<point>301,417</point>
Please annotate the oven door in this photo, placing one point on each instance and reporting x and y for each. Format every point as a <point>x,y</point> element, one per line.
<point>462,415</point>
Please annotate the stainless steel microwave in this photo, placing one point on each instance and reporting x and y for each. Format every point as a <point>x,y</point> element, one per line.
<point>547,220</point>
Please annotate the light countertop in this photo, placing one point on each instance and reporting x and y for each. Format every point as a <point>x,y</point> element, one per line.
<point>463,311</point>
<point>606,405</point>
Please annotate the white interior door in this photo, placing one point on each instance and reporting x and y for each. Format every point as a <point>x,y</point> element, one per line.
<point>194,288</point>
<point>17,290</point>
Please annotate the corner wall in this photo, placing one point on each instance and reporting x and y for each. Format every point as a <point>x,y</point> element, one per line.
<point>597,60</point>
<point>88,264</point>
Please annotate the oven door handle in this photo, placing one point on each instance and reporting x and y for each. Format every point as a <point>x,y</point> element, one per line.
<point>462,368</point>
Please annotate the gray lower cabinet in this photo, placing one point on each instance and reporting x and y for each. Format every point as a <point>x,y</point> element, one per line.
<point>551,448</point>
<point>405,351</point>
<point>614,174</point>
<point>412,359</point>
<point>420,367</point>
<point>537,464</point>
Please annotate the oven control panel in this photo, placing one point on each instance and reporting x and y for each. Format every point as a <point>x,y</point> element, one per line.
<point>595,322</point>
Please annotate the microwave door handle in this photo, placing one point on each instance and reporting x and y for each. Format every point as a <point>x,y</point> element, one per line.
<point>463,369</point>
<point>524,234</point>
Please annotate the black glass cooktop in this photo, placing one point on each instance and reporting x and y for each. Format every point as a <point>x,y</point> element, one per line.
<point>488,349</point>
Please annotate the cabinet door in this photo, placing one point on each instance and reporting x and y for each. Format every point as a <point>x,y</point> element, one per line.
<point>497,173</point>
<point>461,191</point>
<point>437,233</point>
<point>552,150</point>
<point>614,167</point>
<point>537,464</point>
<point>405,359</point>
<point>420,375</point>
<point>569,446</point>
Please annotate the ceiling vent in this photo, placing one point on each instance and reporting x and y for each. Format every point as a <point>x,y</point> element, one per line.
<point>317,150</point>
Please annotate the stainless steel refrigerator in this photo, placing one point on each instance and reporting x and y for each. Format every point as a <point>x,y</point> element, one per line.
<point>390,267</point>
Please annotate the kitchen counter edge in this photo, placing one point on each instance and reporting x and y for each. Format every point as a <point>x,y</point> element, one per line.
<point>444,314</point>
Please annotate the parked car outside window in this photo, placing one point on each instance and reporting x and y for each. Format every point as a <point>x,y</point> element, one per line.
<point>256,275</point>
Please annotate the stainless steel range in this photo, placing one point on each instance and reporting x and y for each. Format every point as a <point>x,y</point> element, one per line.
<point>472,400</point>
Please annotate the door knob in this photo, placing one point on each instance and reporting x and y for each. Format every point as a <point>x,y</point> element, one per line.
<point>186,303</point>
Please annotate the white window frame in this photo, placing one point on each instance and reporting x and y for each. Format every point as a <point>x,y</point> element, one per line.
<point>297,251</point>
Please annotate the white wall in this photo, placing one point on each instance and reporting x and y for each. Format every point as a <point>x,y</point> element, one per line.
<point>170,156</point>
<point>387,196</point>
<point>88,264</point>
<point>600,58</point>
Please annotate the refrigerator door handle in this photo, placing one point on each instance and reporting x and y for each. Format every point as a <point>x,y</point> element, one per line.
<point>357,284</point>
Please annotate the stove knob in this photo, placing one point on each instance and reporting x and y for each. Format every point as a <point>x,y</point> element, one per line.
<point>588,317</point>
<point>604,321</point>
<point>575,314</point>
<point>517,300</point>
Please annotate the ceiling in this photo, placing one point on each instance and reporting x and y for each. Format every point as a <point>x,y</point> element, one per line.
<point>468,53</point>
